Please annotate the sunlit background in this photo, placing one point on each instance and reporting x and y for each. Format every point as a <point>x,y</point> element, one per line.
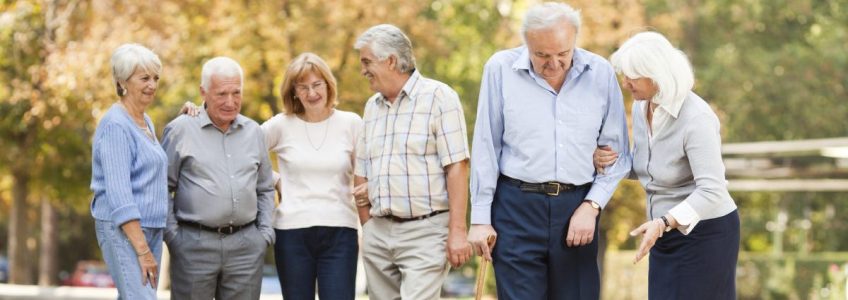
<point>773,70</point>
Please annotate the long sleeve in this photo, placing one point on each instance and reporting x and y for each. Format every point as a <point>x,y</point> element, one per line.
<point>702,144</point>
<point>174,165</point>
<point>486,146</point>
<point>614,134</point>
<point>117,159</point>
<point>265,192</point>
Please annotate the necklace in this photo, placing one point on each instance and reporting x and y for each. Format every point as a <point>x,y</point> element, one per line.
<point>143,128</point>
<point>309,138</point>
<point>147,132</point>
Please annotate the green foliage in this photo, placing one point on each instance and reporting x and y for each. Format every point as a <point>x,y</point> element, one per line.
<point>792,276</point>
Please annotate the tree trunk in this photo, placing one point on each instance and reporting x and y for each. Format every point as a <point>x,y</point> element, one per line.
<point>19,270</point>
<point>47,261</point>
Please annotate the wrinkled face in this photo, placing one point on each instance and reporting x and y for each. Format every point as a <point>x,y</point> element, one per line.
<point>551,50</point>
<point>311,91</point>
<point>377,72</point>
<point>642,88</point>
<point>223,100</point>
<point>141,87</point>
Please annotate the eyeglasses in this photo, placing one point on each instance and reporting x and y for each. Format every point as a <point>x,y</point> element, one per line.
<point>317,86</point>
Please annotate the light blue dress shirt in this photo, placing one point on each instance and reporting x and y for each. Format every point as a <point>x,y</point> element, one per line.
<point>528,131</point>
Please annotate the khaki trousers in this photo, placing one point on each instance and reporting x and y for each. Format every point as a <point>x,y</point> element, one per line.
<point>405,260</point>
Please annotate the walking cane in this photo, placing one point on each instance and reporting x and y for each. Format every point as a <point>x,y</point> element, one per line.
<point>481,271</point>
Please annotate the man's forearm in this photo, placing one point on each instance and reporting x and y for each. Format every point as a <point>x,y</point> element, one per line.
<point>456,175</point>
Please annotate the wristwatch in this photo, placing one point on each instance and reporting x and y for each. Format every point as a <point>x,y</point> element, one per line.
<point>594,204</point>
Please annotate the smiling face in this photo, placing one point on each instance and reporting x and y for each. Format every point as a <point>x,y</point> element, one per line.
<point>642,88</point>
<point>551,50</point>
<point>311,91</point>
<point>141,87</point>
<point>377,72</point>
<point>223,100</point>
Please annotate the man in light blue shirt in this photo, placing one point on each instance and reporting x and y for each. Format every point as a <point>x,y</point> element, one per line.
<point>543,109</point>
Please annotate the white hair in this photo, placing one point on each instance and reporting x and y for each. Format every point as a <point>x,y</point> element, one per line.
<point>386,40</point>
<point>651,55</point>
<point>548,15</point>
<point>221,66</point>
<point>129,57</point>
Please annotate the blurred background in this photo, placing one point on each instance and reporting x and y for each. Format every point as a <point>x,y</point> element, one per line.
<point>773,70</point>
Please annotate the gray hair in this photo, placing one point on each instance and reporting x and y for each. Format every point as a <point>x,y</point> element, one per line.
<point>651,55</point>
<point>548,15</point>
<point>129,57</point>
<point>386,40</point>
<point>221,66</point>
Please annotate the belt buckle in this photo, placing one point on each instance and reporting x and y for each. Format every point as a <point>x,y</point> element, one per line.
<point>223,230</point>
<point>558,188</point>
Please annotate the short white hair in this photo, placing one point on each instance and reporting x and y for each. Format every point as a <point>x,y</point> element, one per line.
<point>650,55</point>
<point>220,66</point>
<point>129,57</point>
<point>547,15</point>
<point>386,40</point>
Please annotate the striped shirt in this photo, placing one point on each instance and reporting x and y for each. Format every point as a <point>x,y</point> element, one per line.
<point>405,146</point>
<point>128,172</point>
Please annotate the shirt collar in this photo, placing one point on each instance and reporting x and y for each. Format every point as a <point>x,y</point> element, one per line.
<point>407,88</point>
<point>673,108</point>
<point>206,121</point>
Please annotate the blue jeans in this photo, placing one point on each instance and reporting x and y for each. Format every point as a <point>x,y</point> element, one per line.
<point>325,254</point>
<point>122,260</point>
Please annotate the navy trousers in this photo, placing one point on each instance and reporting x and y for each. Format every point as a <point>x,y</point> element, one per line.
<point>327,255</point>
<point>701,265</point>
<point>530,258</point>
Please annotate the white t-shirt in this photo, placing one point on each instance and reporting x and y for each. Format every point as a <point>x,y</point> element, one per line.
<point>316,170</point>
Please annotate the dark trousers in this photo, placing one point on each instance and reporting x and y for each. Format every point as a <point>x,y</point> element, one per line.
<point>325,254</point>
<point>530,258</point>
<point>701,265</point>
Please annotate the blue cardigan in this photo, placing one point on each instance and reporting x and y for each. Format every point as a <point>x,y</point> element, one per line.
<point>129,172</point>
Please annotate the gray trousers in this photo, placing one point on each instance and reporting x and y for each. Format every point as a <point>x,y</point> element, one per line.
<point>207,264</point>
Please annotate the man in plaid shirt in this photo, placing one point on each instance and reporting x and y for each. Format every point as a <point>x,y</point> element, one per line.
<point>411,172</point>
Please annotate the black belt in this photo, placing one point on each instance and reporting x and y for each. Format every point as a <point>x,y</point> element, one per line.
<point>422,217</point>
<point>551,188</point>
<point>222,230</point>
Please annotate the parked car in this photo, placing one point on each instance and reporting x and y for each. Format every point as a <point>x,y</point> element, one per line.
<point>457,285</point>
<point>91,273</point>
<point>4,270</point>
<point>270,282</point>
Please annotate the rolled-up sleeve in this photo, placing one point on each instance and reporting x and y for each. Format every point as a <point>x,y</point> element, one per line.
<point>486,146</point>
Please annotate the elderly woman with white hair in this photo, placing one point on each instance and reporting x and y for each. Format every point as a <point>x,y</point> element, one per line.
<point>129,178</point>
<point>693,228</point>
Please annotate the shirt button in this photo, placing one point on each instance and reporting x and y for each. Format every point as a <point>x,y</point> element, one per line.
<point>560,145</point>
<point>232,176</point>
<point>228,155</point>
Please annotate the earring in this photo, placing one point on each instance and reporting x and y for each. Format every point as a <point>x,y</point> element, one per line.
<point>123,92</point>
